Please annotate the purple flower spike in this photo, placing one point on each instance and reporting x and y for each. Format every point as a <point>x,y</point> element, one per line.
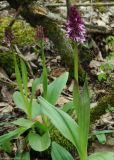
<point>8,36</point>
<point>39,33</point>
<point>75,26</point>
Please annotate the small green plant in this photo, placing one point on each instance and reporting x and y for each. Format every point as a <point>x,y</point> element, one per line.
<point>106,68</point>
<point>34,127</point>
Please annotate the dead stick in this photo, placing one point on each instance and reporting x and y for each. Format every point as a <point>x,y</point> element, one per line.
<point>79,4</point>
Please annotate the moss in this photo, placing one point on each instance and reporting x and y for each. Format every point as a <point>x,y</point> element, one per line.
<point>102,106</point>
<point>102,9</point>
<point>24,34</point>
<point>7,62</point>
<point>57,137</point>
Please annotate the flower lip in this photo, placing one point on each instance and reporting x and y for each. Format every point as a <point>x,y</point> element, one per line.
<point>75,26</point>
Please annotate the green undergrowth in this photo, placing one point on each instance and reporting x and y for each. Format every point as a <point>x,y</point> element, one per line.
<point>7,62</point>
<point>24,34</point>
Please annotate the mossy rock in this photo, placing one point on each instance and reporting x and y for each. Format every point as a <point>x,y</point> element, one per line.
<point>24,34</point>
<point>100,109</point>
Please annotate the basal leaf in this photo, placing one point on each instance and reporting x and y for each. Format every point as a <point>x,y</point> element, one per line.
<point>39,143</point>
<point>35,84</point>
<point>101,138</point>
<point>24,77</point>
<point>60,153</point>
<point>55,88</point>
<point>24,123</point>
<point>62,121</point>
<point>18,99</point>
<point>102,156</point>
<point>12,134</point>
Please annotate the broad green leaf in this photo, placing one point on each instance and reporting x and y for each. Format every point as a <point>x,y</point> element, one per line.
<point>62,121</point>
<point>39,143</point>
<point>56,87</point>
<point>13,134</point>
<point>24,123</point>
<point>82,105</point>
<point>101,138</point>
<point>102,156</point>
<point>18,99</point>
<point>35,84</point>
<point>84,119</point>
<point>36,109</point>
<point>24,77</point>
<point>60,153</point>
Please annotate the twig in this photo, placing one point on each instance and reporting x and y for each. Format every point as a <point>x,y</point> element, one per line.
<point>79,4</point>
<point>15,17</point>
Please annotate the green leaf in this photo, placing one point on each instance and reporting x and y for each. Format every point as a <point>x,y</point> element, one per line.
<point>60,153</point>
<point>45,82</point>
<point>25,156</point>
<point>82,105</point>
<point>12,134</point>
<point>102,156</point>
<point>7,147</point>
<point>101,138</point>
<point>39,143</point>
<point>56,87</point>
<point>24,123</point>
<point>62,121</point>
<point>35,84</point>
<point>68,106</point>
<point>18,99</point>
<point>22,156</point>
<point>24,77</point>
<point>36,109</point>
<point>18,77</point>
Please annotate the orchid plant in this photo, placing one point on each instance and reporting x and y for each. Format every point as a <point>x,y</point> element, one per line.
<point>75,132</point>
<point>41,114</point>
<point>35,124</point>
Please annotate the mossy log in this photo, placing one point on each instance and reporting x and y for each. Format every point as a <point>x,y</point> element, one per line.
<point>35,14</point>
<point>100,109</point>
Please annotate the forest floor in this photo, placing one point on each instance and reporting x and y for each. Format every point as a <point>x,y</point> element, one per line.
<point>99,68</point>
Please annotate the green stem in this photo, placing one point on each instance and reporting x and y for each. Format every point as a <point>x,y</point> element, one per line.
<point>75,54</point>
<point>44,72</point>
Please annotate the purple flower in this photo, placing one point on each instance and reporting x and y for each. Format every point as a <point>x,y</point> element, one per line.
<point>8,36</point>
<point>75,26</point>
<point>39,33</point>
